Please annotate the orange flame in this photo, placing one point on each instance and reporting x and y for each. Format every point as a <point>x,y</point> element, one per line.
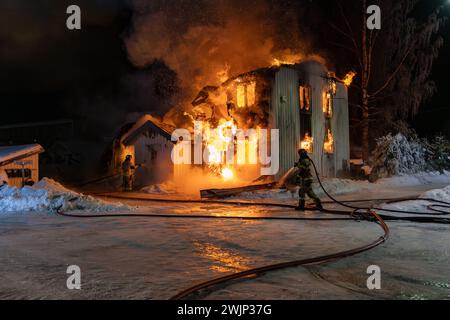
<point>307,143</point>
<point>328,145</point>
<point>348,79</point>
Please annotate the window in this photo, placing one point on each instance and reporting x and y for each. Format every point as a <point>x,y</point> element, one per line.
<point>17,173</point>
<point>246,94</point>
<point>306,118</point>
<point>327,104</point>
<point>328,95</point>
<point>305,98</point>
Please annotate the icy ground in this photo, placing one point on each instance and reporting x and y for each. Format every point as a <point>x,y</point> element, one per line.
<point>154,258</point>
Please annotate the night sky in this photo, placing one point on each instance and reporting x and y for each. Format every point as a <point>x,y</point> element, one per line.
<point>49,72</point>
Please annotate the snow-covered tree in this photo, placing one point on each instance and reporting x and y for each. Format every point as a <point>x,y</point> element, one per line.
<point>397,154</point>
<point>440,153</point>
<point>407,154</point>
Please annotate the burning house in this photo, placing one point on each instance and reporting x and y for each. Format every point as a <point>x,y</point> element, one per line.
<point>305,102</point>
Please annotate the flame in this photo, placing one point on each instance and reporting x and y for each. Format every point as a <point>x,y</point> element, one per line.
<point>224,74</point>
<point>348,79</point>
<point>227,174</point>
<point>218,141</point>
<point>287,58</point>
<point>240,95</point>
<point>327,104</point>
<point>328,145</point>
<point>279,63</point>
<point>307,143</point>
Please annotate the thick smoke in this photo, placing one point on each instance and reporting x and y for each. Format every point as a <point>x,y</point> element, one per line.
<point>206,41</point>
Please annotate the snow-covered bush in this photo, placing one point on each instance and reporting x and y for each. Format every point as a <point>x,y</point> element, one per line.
<point>399,154</point>
<point>439,153</point>
<point>395,155</point>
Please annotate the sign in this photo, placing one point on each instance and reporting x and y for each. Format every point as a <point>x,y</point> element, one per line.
<point>24,163</point>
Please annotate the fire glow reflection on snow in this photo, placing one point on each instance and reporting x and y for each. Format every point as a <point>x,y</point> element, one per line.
<point>224,260</point>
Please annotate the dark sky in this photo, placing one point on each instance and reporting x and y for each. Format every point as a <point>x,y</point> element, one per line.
<point>44,65</point>
<point>47,71</point>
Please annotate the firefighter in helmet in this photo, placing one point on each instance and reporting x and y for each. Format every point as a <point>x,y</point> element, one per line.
<point>304,180</point>
<point>128,169</point>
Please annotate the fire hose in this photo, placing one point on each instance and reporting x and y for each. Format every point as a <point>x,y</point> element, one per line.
<point>358,213</point>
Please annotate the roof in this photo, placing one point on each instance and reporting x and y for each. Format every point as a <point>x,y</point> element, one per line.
<point>13,153</point>
<point>144,123</point>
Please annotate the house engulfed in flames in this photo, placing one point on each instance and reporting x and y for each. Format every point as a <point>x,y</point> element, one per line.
<point>304,101</point>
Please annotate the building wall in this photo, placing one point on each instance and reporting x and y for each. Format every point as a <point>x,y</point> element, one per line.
<point>31,163</point>
<point>341,131</point>
<point>286,117</point>
<point>153,152</point>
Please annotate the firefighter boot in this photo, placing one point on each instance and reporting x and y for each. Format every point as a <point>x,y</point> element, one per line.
<point>301,205</point>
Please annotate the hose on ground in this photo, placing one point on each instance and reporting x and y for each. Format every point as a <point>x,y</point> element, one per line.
<point>358,213</point>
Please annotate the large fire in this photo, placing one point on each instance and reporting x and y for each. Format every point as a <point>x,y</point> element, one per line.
<point>217,144</point>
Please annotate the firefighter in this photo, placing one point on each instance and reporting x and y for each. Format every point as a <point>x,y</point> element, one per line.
<point>304,180</point>
<point>128,174</point>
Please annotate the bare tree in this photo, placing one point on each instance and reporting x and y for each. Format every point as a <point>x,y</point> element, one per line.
<point>393,64</point>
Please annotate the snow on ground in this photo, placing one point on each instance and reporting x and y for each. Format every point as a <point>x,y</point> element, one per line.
<point>139,258</point>
<point>347,186</point>
<point>438,194</point>
<point>422,205</point>
<point>168,187</point>
<point>48,195</point>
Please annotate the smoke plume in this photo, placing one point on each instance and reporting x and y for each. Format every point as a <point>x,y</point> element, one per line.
<point>205,41</point>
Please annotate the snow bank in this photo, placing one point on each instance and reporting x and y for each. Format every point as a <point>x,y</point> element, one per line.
<point>438,194</point>
<point>49,195</point>
<point>422,205</point>
<point>418,179</point>
<point>347,186</point>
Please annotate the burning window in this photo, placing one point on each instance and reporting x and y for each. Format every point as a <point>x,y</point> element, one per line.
<point>306,118</point>
<point>246,94</point>
<point>328,104</point>
<point>307,143</point>
<point>328,145</point>
<point>305,98</point>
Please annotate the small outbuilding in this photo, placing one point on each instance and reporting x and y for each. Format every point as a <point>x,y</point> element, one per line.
<point>20,164</point>
<point>148,141</point>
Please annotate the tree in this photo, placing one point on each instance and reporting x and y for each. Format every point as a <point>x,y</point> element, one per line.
<point>393,64</point>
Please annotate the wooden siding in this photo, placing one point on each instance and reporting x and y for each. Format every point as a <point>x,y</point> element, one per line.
<point>153,151</point>
<point>31,163</point>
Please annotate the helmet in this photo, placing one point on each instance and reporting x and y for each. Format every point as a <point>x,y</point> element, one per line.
<point>303,154</point>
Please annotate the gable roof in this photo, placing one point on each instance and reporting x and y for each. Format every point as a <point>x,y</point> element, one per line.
<point>10,154</point>
<point>144,123</point>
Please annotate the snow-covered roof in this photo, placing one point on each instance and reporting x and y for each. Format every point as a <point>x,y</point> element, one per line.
<point>145,122</point>
<point>12,153</point>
